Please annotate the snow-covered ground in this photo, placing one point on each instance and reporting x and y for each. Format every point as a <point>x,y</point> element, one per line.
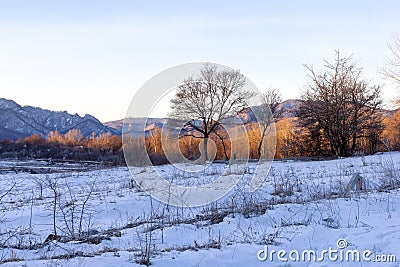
<point>103,219</point>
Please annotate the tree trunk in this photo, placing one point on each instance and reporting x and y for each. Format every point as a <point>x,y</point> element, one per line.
<point>205,151</point>
<point>261,142</point>
<point>54,214</point>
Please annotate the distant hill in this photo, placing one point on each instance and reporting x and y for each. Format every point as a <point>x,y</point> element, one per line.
<point>17,121</point>
<point>287,109</point>
<point>117,125</point>
<point>136,125</point>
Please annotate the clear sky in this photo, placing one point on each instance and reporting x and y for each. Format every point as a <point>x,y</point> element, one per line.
<point>90,56</point>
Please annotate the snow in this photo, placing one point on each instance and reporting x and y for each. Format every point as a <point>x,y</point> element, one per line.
<point>302,205</point>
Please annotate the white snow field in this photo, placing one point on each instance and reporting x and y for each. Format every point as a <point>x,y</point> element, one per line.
<point>303,215</point>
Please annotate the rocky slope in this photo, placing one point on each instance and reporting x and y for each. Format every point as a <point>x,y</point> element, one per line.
<point>17,121</point>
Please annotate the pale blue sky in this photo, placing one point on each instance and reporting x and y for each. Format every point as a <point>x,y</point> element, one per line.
<point>91,56</point>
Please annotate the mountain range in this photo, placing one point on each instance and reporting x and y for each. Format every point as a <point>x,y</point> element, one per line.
<point>18,121</point>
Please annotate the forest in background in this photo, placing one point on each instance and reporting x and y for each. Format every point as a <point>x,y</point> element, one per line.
<point>71,146</point>
<point>292,141</point>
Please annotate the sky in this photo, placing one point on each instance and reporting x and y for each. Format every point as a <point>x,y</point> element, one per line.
<point>90,57</point>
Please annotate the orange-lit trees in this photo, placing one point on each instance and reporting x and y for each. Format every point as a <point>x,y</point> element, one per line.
<point>391,134</point>
<point>34,139</point>
<point>73,137</point>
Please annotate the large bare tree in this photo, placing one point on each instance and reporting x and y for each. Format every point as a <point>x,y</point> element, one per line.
<point>340,104</point>
<point>203,102</point>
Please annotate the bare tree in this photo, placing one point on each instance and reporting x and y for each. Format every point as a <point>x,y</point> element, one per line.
<point>270,114</point>
<point>202,102</point>
<point>4,193</point>
<point>74,206</point>
<point>341,105</point>
<point>52,184</point>
<point>392,69</point>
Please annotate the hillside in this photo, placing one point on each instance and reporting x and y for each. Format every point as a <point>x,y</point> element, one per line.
<point>21,121</point>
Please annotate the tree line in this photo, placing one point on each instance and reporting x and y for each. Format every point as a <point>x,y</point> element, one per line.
<point>106,148</point>
<point>341,114</point>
